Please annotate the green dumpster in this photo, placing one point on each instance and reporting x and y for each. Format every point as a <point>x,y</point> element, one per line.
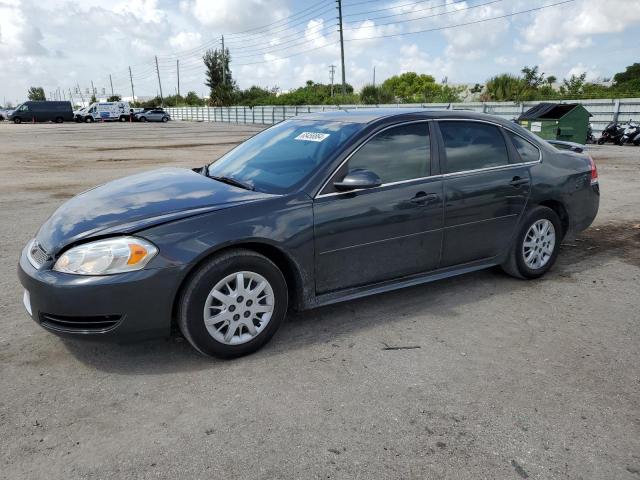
<point>557,121</point>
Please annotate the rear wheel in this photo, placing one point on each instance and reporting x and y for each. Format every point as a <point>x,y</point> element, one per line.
<point>233,304</point>
<point>601,141</point>
<point>536,246</point>
<point>59,119</point>
<point>123,118</point>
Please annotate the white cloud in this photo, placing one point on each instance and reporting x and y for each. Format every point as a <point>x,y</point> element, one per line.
<point>185,40</point>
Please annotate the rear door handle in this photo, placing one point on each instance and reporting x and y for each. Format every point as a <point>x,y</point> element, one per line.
<point>518,181</point>
<point>422,198</point>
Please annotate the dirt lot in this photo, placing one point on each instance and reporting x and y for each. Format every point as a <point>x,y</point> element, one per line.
<point>512,379</point>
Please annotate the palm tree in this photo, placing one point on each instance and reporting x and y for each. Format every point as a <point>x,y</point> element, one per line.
<point>506,87</point>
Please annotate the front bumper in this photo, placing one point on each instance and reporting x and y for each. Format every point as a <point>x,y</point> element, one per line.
<point>123,307</point>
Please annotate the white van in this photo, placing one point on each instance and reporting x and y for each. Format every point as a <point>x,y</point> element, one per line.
<point>104,111</point>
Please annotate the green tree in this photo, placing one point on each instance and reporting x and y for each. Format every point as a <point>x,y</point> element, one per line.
<point>506,87</point>
<point>409,86</point>
<point>218,77</point>
<point>192,98</point>
<point>573,86</point>
<point>376,94</point>
<point>632,72</point>
<point>114,98</point>
<point>93,99</point>
<point>532,78</point>
<point>551,79</point>
<point>36,93</point>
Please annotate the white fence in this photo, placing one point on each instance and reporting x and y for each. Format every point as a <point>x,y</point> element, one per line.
<point>603,111</point>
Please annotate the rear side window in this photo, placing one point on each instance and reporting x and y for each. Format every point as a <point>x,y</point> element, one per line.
<point>527,151</point>
<point>473,145</point>
<point>397,154</point>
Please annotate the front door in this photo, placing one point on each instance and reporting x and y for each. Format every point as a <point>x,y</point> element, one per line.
<point>485,192</point>
<point>368,236</point>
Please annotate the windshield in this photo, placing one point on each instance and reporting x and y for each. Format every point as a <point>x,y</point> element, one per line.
<point>281,157</point>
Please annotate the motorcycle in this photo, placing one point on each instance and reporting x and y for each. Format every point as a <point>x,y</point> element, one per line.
<point>630,133</point>
<point>590,136</point>
<point>611,133</point>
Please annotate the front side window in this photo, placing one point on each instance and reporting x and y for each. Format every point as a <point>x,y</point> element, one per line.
<point>527,151</point>
<point>24,108</point>
<point>472,146</point>
<point>283,156</point>
<point>397,154</point>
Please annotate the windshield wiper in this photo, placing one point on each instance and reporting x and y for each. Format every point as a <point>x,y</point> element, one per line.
<point>233,181</point>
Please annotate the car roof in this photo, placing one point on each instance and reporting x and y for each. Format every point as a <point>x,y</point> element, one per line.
<point>370,115</point>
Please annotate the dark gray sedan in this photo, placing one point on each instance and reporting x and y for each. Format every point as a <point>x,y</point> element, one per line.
<point>315,210</point>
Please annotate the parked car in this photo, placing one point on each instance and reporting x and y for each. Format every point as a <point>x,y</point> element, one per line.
<point>154,115</point>
<point>42,111</point>
<point>104,111</point>
<point>314,210</point>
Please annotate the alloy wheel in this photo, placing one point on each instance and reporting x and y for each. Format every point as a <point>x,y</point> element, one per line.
<point>238,308</point>
<point>539,244</point>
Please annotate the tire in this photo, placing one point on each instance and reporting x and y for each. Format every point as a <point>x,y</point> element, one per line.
<point>220,274</point>
<point>89,120</point>
<point>601,141</point>
<point>123,118</point>
<point>165,119</point>
<point>143,119</point>
<point>17,120</point>
<point>59,120</point>
<point>521,265</point>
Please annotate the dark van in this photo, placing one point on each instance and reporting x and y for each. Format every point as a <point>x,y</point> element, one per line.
<point>42,112</point>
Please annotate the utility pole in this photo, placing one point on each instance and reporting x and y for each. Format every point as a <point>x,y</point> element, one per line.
<point>71,98</point>
<point>374,75</point>
<point>111,82</point>
<point>159,83</point>
<point>178,70</point>
<point>93,89</point>
<point>133,94</point>
<point>224,63</point>
<point>332,72</point>
<point>344,82</point>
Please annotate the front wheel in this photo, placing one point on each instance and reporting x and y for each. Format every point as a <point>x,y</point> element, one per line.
<point>17,120</point>
<point>601,141</point>
<point>233,304</point>
<point>89,120</point>
<point>165,119</point>
<point>536,246</point>
<point>143,119</point>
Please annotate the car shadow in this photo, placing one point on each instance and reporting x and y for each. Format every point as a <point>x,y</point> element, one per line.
<point>301,329</point>
<point>596,246</point>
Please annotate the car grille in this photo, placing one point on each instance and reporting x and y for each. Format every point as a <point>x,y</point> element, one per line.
<point>80,324</point>
<point>37,255</point>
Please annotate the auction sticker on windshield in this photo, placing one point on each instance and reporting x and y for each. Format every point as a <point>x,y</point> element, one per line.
<point>312,136</point>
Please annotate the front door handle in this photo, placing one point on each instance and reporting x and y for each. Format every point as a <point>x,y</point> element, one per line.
<point>518,181</point>
<point>422,198</point>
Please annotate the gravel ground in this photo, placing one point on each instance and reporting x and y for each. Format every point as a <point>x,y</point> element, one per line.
<point>512,379</point>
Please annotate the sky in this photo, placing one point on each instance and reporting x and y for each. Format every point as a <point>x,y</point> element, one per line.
<point>283,43</point>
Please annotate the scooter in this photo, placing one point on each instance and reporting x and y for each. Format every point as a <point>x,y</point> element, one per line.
<point>630,133</point>
<point>611,133</point>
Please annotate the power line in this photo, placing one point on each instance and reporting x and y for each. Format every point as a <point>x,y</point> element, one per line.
<point>463,24</point>
<point>426,9</point>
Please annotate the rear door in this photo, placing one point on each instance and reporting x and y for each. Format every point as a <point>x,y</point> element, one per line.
<point>486,188</point>
<point>368,236</point>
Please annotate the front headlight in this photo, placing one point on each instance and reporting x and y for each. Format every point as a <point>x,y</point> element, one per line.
<point>104,257</point>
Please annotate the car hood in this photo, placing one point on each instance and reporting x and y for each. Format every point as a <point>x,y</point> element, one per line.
<point>136,202</point>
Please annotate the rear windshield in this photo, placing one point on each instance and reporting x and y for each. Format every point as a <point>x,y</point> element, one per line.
<point>283,156</point>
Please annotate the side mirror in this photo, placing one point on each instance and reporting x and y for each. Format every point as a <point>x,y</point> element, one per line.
<point>358,179</point>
